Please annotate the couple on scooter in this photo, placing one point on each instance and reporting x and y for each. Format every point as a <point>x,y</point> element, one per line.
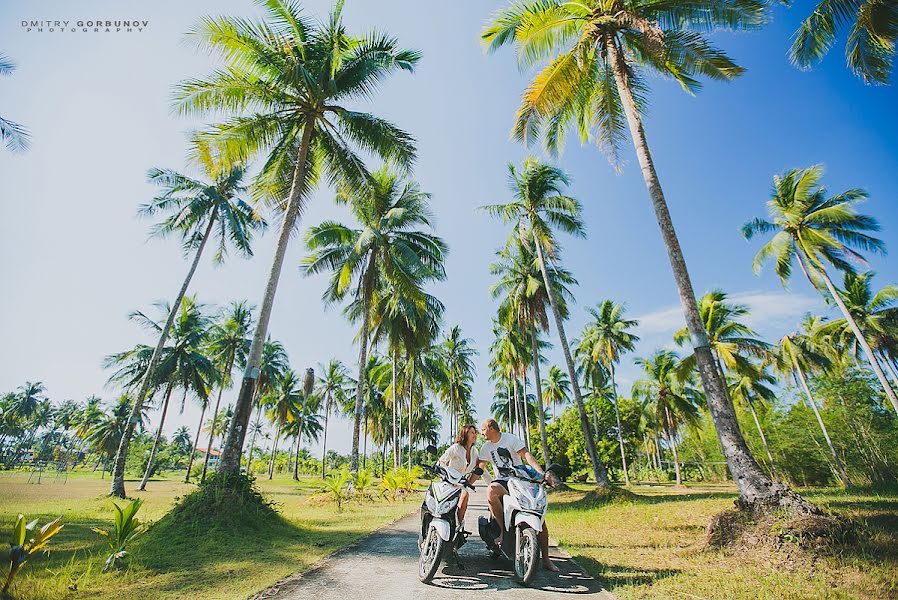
<point>461,455</point>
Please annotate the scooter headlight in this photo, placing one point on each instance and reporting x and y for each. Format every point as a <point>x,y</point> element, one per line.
<point>432,505</point>
<point>531,496</point>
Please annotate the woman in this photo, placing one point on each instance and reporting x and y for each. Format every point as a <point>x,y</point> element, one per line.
<point>462,457</point>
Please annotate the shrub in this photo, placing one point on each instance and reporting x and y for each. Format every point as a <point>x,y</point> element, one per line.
<point>26,541</point>
<point>126,527</point>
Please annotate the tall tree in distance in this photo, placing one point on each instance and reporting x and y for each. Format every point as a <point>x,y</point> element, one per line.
<point>539,207</point>
<point>390,245</point>
<point>197,211</point>
<point>598,53</point>
<point>287,85</point>
<point>332,390</point>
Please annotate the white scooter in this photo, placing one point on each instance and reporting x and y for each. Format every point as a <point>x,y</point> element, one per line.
<point>524,512</point>
<point>441,531</point>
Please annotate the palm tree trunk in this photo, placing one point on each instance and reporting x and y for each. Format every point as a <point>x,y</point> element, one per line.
<point>543,439</point>
<point>395,416</point>
<point>526,406</point>
<point>620,433</point>
<point>889,366</point>
<point>212,428</point>
<point>598,468</point>
<point>274,450</point>
<point>327,412</point>
<point>843,474</point>
<point>196,441</point>
<point>146,474</point>
<point>411,404</point>
<point>117,487</point>
<point>365,441</point>
<point>367,289</point>
<point>849,318</point>
<point>296,456</point>
<point>671,437</point>
<point>252,443</point>
<point>754,415</point>
<point>233,446</point>
<point>754,485</point>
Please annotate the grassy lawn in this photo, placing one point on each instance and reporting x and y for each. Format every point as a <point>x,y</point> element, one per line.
<point>652,547</point>
<point>195,564</point>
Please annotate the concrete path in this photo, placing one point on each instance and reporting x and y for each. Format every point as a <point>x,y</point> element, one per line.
<point>384,565</point>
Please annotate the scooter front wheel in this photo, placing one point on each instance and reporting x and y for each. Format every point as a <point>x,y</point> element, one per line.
<point>526,555</point>
<point>431,556</point>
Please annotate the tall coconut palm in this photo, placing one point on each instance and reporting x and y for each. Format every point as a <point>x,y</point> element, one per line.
<point>813,230</point>
<point>390,245</point>
<point>305,420</point>
<point>556,388</point>
<point>872,27</point>
<point>283,401</point>
<point>186,365</point>
<point>15,136</point>
<point>228,345</point>
<point>197,211</point>
<point>332,388</point>
<point>274,364</point>
<point>508,352</point>
<point>674,399</point>
<point>292,86</point>
<point>606,337</point>
<point>524,300</point>
<point>797,354</point>
<point>105,435</point>
<point>876,315</point>
<point>458,354</point>
<point>599,51</point>
<point>539,207</point>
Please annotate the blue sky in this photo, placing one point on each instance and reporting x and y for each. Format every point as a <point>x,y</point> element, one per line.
<point>76,260</point>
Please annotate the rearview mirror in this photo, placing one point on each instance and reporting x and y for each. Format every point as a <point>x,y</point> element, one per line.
<point>432,450</point>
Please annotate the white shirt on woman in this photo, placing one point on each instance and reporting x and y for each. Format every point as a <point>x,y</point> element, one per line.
<point>456,457</point>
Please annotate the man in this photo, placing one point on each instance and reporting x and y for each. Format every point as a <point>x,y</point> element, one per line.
<point>496,439</point>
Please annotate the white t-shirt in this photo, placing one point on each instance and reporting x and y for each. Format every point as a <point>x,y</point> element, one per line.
<point>456,458</point>
<point>512,443</point>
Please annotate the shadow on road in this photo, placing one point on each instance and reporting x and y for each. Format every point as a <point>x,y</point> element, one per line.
<point>496,576</point>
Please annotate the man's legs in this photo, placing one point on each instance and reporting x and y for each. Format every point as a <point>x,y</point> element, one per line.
<point>494,495</point>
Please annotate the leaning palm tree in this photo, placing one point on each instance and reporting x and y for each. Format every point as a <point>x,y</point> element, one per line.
<point>525,302</point>
<point>798,354</point>
<point>876,315</point>
<point>288,84</point>
<point>15,136</point>
<point>539,207</point>
<point>197,211</point>
<point>390,245</point>
<point>605,338</point>
<point>814,230</point>
<point>872,27</point>
<point>599,51</point>
<point>667,386</point>
<point>228,345</point>
<point>332,388</point>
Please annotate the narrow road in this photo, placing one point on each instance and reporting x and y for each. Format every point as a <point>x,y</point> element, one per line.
<point>384,565</point>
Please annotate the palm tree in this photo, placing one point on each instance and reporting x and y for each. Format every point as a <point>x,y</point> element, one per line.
<point>795,355</point>
<point>197,211</point>
<point>184,364</point>
<point>458,354</point>
<point>508,351</point>
<point>284,400</point>
<point>389,246</point>
<point>305,420</point>
<point>181,439</point>
<point>15,136</point>
<point>870,45</point>
<point>875,315</point>
<point>332,387</point>
<point>556,388</point>
<point>749,385</point>
<point>539,206</point>
<point>274,364</point>
<point>599,51</point>
<point>674,398</point>
<point>605,338</point>
<point>227,346</point>
<point>105,435</point>
<point>288,82</point>
<point>815,230</point>
<point>525,301</point>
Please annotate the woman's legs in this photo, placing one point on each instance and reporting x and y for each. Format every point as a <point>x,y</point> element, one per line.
<point>462,505</point>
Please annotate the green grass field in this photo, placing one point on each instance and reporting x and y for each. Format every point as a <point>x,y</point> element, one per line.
<point>208,564</point>
<point>653,547</point>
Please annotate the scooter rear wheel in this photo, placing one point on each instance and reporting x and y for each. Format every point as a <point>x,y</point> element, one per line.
<point>526,555</point>
<point>431,556</point>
